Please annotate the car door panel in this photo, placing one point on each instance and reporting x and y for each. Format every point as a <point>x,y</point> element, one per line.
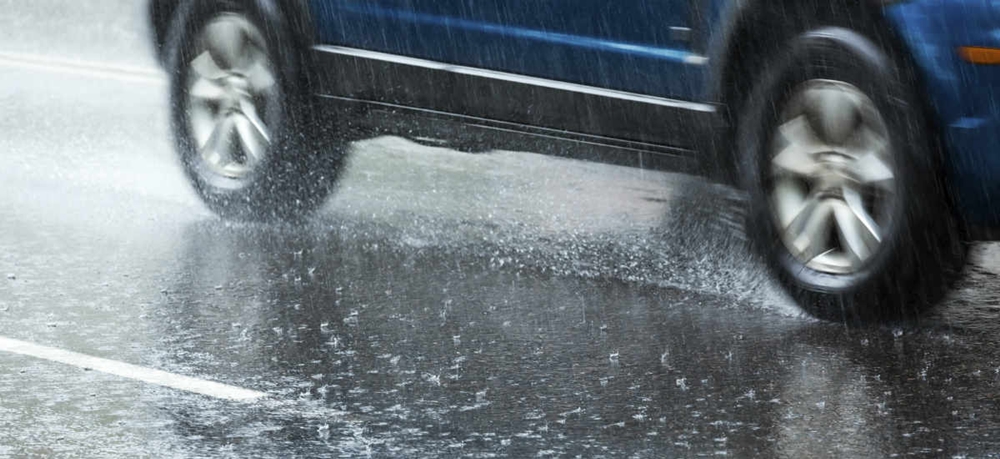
<point>627,45</point>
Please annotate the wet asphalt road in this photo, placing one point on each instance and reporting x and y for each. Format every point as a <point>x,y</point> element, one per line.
<point>441,304</point>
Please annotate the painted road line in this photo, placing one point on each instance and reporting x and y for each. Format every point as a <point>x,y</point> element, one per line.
<point>101,70</point>
<point>127,370</point>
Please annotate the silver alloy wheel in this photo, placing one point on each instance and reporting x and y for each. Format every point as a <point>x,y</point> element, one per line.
<point>833,171</point>
<point>231,82</point>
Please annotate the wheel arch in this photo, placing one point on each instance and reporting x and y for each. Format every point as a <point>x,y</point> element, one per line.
<point>752,28</point>
<point>162,15</point>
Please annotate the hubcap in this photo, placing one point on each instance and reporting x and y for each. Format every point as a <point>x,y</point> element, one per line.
<point>833,186</point>
<point>231,82</point>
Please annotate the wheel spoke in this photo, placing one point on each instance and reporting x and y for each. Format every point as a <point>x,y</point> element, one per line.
<point>226,40</point>
<point>207,90</point>
<point>250,112</point>
<point>811,229</point>
<point>797,157</point>
<point>203,122</point>
<point>218,149</point>
<point>856,239</point>
<point>857,207</point>
<point>206,67</point>
<point>789,200</point>
<point>252,140</point>
<point>871,169</point>
<point>833,113</point>
<point>259,73</point>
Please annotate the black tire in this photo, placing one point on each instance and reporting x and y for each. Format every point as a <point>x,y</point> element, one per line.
<point>305,153</point>
<point>921,248</point>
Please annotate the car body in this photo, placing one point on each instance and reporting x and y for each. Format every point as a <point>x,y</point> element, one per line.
<point>646,82</point>
<point>963,94</point>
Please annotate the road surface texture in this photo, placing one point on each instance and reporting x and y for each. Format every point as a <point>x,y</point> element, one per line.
<point>442,304</point>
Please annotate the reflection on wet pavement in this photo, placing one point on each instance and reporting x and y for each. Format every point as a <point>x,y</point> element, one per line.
<point>368,343</point>
<point>430,354</point>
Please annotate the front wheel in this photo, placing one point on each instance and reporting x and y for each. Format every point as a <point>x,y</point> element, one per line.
<point>843,175</point>
<point>246,129</point>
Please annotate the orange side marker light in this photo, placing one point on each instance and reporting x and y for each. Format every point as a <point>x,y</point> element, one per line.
<point>980,55</point>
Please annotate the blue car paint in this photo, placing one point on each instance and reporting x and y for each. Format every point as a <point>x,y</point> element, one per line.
<point>555,39</point>
<point>963,95</point>
<point>559,39</point>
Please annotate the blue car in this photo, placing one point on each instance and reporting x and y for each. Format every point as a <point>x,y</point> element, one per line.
<point>861,130</point>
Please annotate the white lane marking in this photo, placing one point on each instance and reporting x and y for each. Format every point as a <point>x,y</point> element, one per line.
<point>127,370</point>
<point>102,70</point>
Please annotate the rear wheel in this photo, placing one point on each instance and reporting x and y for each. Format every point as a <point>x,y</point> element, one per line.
<point>246,128</point>
<point>842,171</point>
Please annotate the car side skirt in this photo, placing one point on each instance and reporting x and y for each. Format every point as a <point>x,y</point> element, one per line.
<point>490,102</point>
